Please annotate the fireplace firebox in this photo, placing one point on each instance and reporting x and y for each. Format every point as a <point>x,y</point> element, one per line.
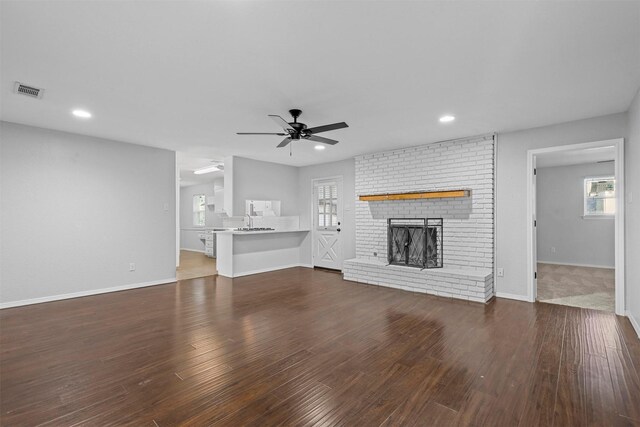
<point>415,242</point>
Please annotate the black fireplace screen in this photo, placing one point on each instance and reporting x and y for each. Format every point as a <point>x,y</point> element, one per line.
<point>415,242</point>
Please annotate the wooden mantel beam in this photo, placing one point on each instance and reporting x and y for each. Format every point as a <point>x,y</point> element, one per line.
<point>416,195</point>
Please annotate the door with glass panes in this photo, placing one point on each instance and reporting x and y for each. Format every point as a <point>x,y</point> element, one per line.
<point>327,245</point>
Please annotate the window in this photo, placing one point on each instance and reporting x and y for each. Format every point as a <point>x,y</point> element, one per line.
<point>599,196</point>
<point>199,205</point>
<point>327,205</point>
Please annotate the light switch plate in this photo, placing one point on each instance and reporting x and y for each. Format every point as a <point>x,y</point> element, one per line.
<point>500,272</point>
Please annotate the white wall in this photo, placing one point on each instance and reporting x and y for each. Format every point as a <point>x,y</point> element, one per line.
<point>511,194</point>
<point>228,185</point>
<point>560,209</point>
<point>177,207</point>
<point>248,179</point>
<point>632,220</point>
<point>345,169</point>
<point>76,210</point>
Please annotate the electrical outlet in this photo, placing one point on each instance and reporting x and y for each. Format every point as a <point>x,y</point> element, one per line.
<point>166,206</point>
<point>500,272</point>
<point>553,249</point>
<point>132,266</point>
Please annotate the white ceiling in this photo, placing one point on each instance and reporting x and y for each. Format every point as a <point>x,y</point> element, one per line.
<point>188,164</point>
<point>575,157</point>
<point>187,75</point>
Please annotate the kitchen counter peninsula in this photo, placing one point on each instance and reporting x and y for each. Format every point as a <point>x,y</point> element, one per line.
<point>241,253</point>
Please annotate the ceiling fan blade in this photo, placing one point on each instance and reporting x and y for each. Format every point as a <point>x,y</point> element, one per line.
<point>282,123</point>
<point>260,133</point>
<point>326,128</point>
<point>321,139</point>
<point>284,142</point>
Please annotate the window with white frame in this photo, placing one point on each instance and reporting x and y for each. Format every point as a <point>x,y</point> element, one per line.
<point>199,206</point>
<point>327,205</point>
<point>600,196</point>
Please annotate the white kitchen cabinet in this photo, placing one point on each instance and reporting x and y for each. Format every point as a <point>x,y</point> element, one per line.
<point>210,244</point>
<point>218,200</point>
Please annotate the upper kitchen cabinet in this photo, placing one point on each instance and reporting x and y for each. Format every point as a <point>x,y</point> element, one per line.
<point>262,207</point>
<point>217,200</point>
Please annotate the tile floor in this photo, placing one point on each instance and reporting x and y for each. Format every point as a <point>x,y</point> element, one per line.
<point>195,264</point>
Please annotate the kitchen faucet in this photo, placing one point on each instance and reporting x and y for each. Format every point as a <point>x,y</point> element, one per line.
<point>250,222</point>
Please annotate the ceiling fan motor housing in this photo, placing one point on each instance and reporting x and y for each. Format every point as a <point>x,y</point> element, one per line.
<point>298,127</point>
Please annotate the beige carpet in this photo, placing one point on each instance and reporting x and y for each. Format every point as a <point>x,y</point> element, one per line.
<point>195,264</point>
<point>584,287</point>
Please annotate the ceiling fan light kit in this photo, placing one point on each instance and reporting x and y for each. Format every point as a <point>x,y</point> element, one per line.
<point>295,131</point>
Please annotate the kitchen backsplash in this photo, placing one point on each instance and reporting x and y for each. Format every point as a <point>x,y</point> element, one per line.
<point>281,223</point>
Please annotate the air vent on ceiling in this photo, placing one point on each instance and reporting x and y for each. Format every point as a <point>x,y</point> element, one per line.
<point>31,91</point>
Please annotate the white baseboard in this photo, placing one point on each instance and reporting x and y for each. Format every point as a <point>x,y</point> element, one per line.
<point>576,265</point>
<point>20,303</point>
<point>191,250</point>
<point>512,296</point>
<point>634,323</point>
<point>266,270</point>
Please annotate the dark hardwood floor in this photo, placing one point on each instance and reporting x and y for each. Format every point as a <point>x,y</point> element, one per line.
<point>305,347</point>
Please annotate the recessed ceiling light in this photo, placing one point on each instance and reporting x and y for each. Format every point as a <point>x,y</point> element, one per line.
<point>83,114</point>
<point>207,169</point>
<point>319,147</point>
<point>446,119</point>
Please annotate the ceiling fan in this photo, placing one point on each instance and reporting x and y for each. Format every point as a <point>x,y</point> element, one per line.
<point>296,130</point>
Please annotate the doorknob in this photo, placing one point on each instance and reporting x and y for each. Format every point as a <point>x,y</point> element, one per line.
<point>338,230</point>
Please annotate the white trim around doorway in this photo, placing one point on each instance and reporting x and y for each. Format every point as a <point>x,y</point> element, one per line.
<point>618,144</point>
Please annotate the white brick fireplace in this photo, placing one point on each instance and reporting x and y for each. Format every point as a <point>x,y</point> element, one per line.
<point>468,221</point>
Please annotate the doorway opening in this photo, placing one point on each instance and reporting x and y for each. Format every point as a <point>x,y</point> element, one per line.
<point>200,201</point>
<point>576,211</point>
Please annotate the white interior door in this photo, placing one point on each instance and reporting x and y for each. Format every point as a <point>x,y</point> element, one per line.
<point>327,220</point>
